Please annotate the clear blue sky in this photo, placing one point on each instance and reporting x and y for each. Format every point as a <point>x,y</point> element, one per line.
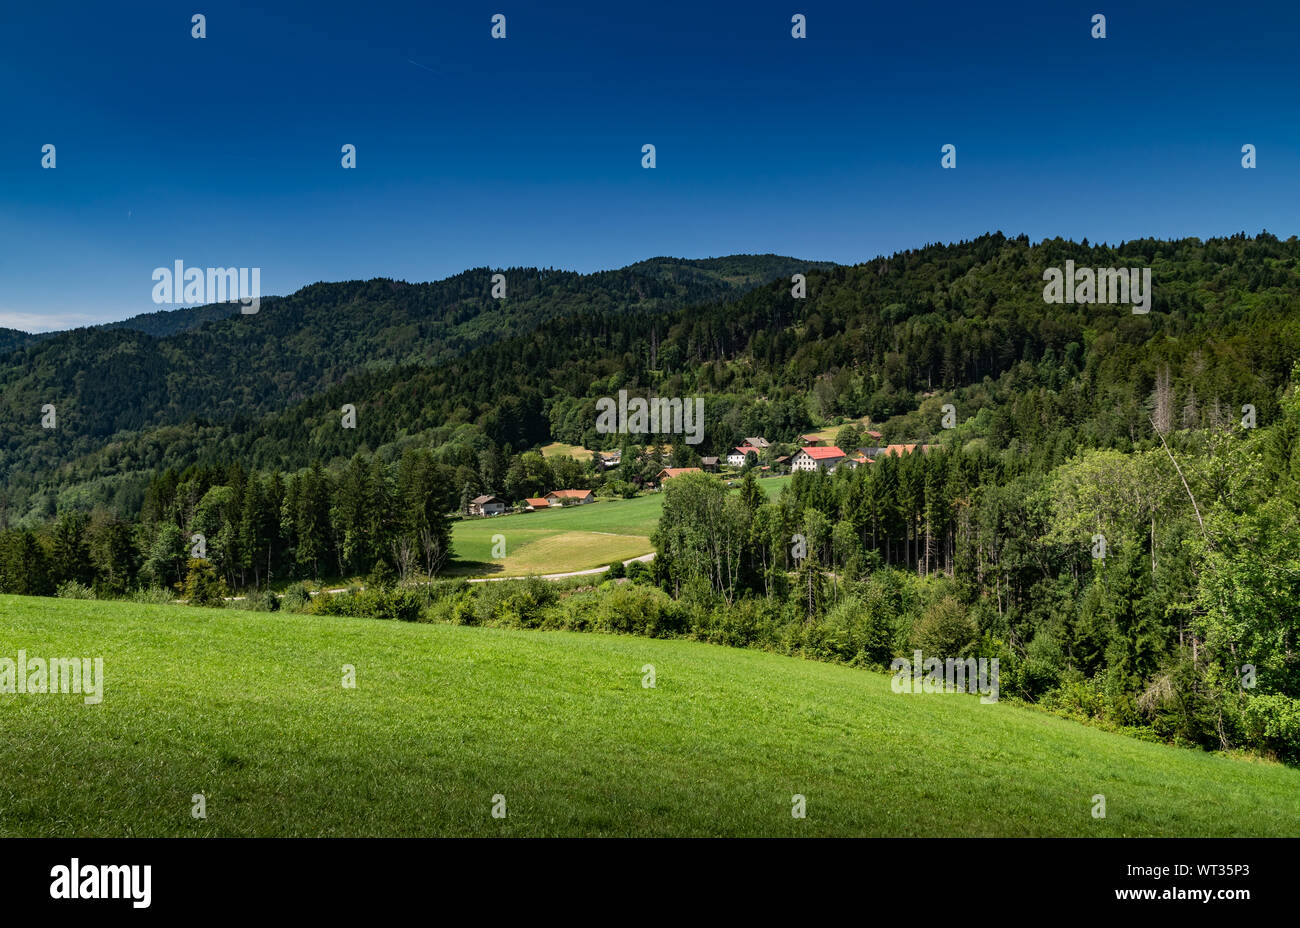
<point>472,151</point>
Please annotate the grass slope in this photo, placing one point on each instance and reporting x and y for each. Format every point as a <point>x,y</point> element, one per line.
<point>247,708</point>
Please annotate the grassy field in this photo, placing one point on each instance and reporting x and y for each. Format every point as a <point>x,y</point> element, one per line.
<point>563,540</point>
<point>248,709</point>
<point>556,448</point>
<point>828,434</point>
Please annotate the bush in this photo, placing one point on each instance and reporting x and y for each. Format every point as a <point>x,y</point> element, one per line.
<point>616,571</point>
<point>638,610</point>
<point>945,629</point>
<point>202,586</point>
<point>154,596</point>
<point>296,598</point>
<point>439,590</point>
<point>639,572</point>
<point>381,576</point>
<point>71,589</point>
<point>1272,721</point>
<point>399,605</point>
<point>258,601</point>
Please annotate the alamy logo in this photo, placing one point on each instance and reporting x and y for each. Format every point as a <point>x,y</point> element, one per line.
<point>201,286</point>
<point>57,675</point>
<point>1103,285</point>
<point>656,416</point>
<point>76,881</point>
<point>955,675</point>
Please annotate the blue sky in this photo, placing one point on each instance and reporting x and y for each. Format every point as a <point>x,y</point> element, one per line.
<point>225,151</point>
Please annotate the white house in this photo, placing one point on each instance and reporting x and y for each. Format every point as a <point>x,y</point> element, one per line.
<point>816,458</point>
<point>736,457</point>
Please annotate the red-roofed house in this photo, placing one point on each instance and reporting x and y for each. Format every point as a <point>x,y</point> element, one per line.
<point>816,458</point>
<point>668,472</point>
<point>558,498</point>
<point>536,502</point>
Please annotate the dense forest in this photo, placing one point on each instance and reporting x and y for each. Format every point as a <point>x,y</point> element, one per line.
<point>1115,513</point>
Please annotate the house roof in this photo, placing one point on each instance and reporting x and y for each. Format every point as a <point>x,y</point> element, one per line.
<point>536,501</point>
<point>810,439</point>
<point>569,494</point>
<point>709,460</point>
<point>746,449</point>
<point>757,442</point>
<point>674,471</point>
<point>821,453</point>
<point>480,500</point>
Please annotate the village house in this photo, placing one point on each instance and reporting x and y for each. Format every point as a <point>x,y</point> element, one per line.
<point>533,503</point>
<point>759,443</point>
<point>810,439</point>
<point>736,458</point>
<point>668,472</point>
<point>816,458</point>
<point>709,464</point>
<point>557,498</point>
<point>486,506</point>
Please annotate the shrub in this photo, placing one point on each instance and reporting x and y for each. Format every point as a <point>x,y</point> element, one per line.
<point>639,610</point>
<point>154,596</point>
<point>399,605</point>
<point>381,576</point>
<point>616,571</point>
<point>71,589</point>
<point>258,601</point>
<point>944,629</point>
<point>296,598</point>
<point>202,586</point>
<point>1273,721</point>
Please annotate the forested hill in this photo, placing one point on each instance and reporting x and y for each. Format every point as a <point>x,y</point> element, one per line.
<point>218,365</point>
<point>894,338</point>
<point>13,338</point>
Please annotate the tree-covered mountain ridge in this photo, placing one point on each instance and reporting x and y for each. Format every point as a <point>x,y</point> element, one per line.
<point>894,338</point>
<point>216,364</point>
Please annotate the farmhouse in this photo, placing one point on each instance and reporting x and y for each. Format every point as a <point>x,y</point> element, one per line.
<point>816,458</point>
<point>533,503</point>
<point>709,464</point>
<point>736,458</point>
<point>668,472</point>
<point>486,506</point>
<point>810,439</point>
<point>758,442</point>
<point>557,498</point>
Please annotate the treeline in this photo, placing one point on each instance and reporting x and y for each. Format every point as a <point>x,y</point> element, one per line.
<point>372,518</point>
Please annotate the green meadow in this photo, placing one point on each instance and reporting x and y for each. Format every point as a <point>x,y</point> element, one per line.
<point>554,541</point>
<point>248,709</point>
